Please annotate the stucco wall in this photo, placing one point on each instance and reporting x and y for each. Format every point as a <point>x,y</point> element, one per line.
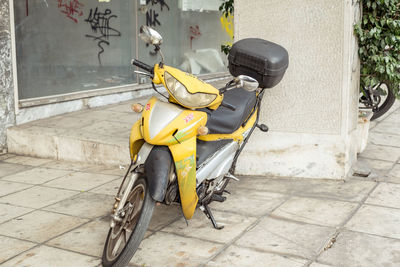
<point>7,116</point>
<point>312,113</point>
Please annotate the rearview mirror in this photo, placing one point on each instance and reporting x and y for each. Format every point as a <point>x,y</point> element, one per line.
<point>247,83</point>
<point>150,36</point>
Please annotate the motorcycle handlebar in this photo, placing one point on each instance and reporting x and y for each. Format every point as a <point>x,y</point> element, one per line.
<point>142,65</point>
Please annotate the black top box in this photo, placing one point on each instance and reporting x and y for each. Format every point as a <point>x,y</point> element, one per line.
<point>260,59</point>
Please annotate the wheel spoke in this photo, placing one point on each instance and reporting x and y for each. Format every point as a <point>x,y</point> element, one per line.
<point>125,239</point>
<point>117,244</point>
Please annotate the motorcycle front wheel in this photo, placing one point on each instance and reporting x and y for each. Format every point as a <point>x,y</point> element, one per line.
<point>124,239</point>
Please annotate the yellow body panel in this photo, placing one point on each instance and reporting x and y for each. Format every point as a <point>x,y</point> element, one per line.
<point>135,139</point>
<point>237,135</point>
<point>192,83</point>
<point>184,155</point>
<point>184,126</point>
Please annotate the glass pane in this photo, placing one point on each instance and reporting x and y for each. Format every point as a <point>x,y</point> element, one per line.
<point>192,34</point>
<point>66,46</point>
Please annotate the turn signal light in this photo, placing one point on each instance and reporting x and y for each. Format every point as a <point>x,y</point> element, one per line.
<point>138,108</point>
<point>202,130</point>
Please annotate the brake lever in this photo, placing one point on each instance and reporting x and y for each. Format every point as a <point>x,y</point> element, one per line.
<point>143,73</point>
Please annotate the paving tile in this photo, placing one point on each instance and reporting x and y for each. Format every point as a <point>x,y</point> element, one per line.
<point>48,256</point>
<point>236,256</point>
<point>376,164</point>
<point>352,190</point>
<point>163,215</point>
<point>11,247</point>
<point>88,239</point>
<point>39,226</point>
<point>110,188</point>
<point>6,156</point>
<point>8,212</point>
<point>86,205</point>
<point>393,117</point>
<point>10,168</point>
<point>173,250</point>
<point>376,220</point>
<point>315,211</point>
<point>94,139</point>
<point>394,175</point>
<point>385,195</point>
<point>27,160</point>
<point>37,197</point>
<point>67,165</point>
<point>126,107</point>
<point>357,249</point>
<point>387,127</point>
<point>317,264</point>
<point>81,181</point>
<point>128,118</point>
<point>11,187</point>
<point>37,175</point>
<point>107,127</point>
<point>100,115</point>
<point>249,202</point>
<point>64,122</point>
<point>384,139</point>
<point>112,170</point>
<point>200,226</point>
<point>381,152</point>
<point>274,235</point>
<point>122,108</point>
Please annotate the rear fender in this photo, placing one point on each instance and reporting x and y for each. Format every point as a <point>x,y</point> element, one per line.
<point>158,166</point>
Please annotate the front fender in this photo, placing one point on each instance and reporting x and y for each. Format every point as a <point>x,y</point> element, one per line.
<point>158,166</point>
<point>184,155</point>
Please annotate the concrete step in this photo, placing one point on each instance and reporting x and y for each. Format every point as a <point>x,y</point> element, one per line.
<point>99,135</point>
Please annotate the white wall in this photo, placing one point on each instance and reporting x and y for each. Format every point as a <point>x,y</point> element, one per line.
<point>312,113</point>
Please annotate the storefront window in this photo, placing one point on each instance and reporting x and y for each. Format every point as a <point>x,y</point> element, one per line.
<point>67,46</point>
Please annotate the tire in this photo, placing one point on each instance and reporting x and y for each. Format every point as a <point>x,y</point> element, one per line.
<point>138,230</point>
<point>389,101</point>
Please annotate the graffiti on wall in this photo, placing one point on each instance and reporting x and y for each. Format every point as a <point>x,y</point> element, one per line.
<point>71,8</point>
<point>152,15</point>
<point>194,33</point>
<point>100,25</point>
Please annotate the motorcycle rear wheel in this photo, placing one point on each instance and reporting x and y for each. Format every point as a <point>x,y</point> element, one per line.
<point>379,103</point>
<point>387,104</point>
<point>124,239</point>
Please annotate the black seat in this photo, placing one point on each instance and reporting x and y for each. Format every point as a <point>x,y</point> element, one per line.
<point>224,120</point>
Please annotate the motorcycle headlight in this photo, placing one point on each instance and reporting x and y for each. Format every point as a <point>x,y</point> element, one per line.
<point>183,96</point>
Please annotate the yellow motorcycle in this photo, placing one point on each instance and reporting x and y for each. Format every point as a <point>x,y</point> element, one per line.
<point>184,150</point>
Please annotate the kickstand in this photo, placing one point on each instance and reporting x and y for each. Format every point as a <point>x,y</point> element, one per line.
<point>209,215</point>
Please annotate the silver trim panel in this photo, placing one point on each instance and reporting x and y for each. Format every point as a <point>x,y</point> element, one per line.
<point>161,115</point>
<point>219,164</point>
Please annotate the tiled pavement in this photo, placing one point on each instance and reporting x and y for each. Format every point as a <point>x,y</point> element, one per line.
<point>55,213</point>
